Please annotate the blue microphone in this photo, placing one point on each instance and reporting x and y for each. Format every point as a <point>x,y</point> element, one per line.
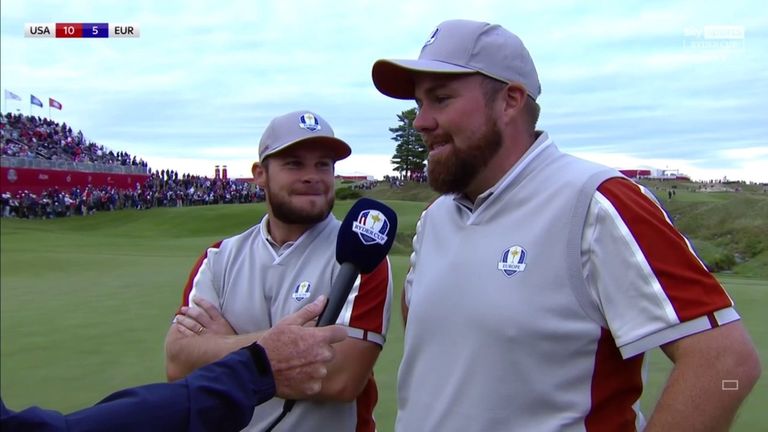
<point>365,237</point>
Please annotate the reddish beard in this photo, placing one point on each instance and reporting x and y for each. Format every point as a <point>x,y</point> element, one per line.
<point>455,169</point>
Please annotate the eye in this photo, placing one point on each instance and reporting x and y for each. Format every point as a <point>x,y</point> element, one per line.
<point>439,99</point>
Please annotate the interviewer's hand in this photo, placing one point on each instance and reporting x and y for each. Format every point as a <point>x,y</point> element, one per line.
<point>299,355</point>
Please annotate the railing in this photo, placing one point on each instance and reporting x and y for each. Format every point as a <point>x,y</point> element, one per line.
<point>18,162</point>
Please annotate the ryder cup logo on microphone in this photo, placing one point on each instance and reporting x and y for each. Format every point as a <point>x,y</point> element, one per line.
<point>371,226</point>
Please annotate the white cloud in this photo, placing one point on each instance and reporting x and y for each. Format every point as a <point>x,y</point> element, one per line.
<point>751,153</point>
<point>200,84</point>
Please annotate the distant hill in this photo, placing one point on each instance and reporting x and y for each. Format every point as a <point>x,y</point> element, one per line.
<point>728,229</point>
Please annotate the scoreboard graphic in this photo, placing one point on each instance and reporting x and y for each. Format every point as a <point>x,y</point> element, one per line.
<point>81,30</point>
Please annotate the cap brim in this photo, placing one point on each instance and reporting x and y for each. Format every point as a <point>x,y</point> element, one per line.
<point>338,147</point>
<point>394,78</point>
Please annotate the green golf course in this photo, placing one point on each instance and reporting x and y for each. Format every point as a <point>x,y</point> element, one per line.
<point>86,301</point>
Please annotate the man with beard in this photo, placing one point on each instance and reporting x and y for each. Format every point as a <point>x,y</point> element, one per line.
<point>241,286</point>
<point>539,280</point>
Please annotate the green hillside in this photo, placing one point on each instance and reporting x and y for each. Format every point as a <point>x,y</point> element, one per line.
<point>729,230</point>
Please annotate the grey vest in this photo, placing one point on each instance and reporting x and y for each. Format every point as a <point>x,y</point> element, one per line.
<point>502,332</point>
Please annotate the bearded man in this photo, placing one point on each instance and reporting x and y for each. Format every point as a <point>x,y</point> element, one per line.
<point>538,280</point>
<point>241,286</point>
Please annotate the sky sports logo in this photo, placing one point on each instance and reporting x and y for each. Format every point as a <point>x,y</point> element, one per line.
<point>81,30</point>
<point>714,37</point>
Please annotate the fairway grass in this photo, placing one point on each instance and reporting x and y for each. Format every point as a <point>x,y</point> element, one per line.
<point>85,303</point>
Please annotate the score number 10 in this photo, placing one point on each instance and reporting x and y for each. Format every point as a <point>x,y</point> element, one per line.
<point>82,30</point>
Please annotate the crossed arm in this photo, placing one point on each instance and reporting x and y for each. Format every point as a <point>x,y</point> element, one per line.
<point>186,350</point>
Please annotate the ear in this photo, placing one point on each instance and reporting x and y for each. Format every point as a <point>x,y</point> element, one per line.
<point>513,99</point>
<point>259,174</point>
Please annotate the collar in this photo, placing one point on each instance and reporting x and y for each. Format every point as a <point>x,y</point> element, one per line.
<point>542,141</point>
<point>281,250</point>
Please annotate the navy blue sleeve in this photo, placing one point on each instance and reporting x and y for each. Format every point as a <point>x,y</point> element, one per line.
<point>31,419</point>
<point>217,397</point>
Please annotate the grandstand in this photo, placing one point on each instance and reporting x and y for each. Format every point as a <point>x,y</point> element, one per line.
<point>49,171</point>
<point>654,174</point>
<point>40,154</point>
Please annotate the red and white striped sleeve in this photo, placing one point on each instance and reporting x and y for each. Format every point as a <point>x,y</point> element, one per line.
<point>644,274</point>
<point>367,310</point>
<point>200,281</point>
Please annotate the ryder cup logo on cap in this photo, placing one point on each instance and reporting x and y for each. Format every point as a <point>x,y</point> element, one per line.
<point>309,122</point>
<point>301,126</point>
<point>461,47</point>
<point>371,226</point>
<point>301,291</point>
<point>512,261</point>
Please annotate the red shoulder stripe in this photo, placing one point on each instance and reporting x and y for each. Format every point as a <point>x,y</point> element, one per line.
<point>368,310</point>
<point>691,289</point>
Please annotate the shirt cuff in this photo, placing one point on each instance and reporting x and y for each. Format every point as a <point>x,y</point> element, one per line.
<point>679,331</point>
<point>366,335</point>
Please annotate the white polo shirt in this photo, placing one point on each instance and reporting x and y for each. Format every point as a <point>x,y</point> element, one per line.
<point>531,309</point>
<point>255,286</point>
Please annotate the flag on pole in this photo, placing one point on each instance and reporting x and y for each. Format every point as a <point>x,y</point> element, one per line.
<point>12,95</point>
<point>35,101</point>
<point>54,103</point>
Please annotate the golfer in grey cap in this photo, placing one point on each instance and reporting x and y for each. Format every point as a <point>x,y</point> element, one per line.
<point>538,280</point>
<point>244,284</point>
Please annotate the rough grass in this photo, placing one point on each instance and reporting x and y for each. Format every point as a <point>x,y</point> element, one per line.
<point>730,226</point>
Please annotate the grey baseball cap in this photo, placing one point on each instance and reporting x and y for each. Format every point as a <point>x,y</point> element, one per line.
<point>461,47</point>
<point>300,126</point>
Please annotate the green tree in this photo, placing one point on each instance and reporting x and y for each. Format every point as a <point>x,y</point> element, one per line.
<point>410,152</point>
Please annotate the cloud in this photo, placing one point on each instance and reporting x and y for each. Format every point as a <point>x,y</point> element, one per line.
<point>201,83</point>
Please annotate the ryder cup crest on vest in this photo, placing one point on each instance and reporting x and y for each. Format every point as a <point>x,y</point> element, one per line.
<point>301,291</point>
<point>372,227</point>
<point>512,260</point>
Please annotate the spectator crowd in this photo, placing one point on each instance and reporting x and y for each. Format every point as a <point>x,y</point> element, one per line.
<point>40,138</point>
<point>161,189</point>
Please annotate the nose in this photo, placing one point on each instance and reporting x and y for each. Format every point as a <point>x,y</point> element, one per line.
<point>311,175</point>
<point>424,121</point>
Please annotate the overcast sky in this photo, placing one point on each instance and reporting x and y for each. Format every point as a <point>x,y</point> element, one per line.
<point>631,84</point>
